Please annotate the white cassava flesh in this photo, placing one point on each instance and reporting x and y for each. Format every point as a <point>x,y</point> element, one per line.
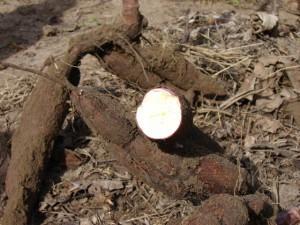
<point>160,114</point>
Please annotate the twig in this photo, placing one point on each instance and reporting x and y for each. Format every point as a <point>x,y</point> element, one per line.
<point>186,34</point>
<point>227,68</point>
<point>244,46</point>
<point>239,96</point>
<point>207,110</point>
<point>283,69</point>
<point>38,73</point>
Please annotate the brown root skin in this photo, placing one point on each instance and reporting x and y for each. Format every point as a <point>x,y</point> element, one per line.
<point>215,172</point>
<point>157,65</point>
<point>31,149</point>
<point>171,66</point>
<point>174,167</point>
<point>41,120</point>
<point>147,67</point>
<point>219,210</point>
<point>43,115</point>
<point>259,205</point>
<point>225,209</point>
<point>127,68</point>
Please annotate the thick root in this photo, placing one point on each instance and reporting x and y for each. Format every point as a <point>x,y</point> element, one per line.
<point>184,168</point>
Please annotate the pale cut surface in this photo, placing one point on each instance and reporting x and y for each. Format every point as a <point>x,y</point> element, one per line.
<point>160,114</point>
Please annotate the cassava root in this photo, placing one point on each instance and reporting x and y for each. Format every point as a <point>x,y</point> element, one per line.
<point>42,117</point>
<point>32,144</point>
<point>46,108</point>
<point>158,65</point>
<point>224,209</point>
<point>184,168</point>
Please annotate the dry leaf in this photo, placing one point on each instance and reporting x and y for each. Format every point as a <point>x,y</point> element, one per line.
<point>269,60</point>
<point>270,104</point>
<point>268,124</point>
<point>267,92</point>
<point>260,70</point>
<point>249,141</point>
<point>288,94</point>
<point>294,76</point>
<point>294,109</point>
<point>248,85</point>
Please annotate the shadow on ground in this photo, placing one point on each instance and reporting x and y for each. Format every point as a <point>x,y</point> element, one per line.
<point>23,27</point>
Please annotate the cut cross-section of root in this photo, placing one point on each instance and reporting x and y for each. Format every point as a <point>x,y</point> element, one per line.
<point>160,114</point>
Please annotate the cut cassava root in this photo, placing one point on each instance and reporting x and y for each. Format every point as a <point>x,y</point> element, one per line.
<point>46,109</point>
<point>161,113</point>
<point>176,167</point>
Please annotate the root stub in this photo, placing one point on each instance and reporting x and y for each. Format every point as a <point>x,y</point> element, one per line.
<point>231,210</point>
<point>220,209</point>
<point>160,114</point>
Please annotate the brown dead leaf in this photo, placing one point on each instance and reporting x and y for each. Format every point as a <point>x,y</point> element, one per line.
<point>288,93</point>
<point>294,110</point>
<point>269,104</point>
<point>249,141</point>
<point>248,85</point>
<point>267,92</point>
<point>267,124</point>
<point>268,60</point>
<point>294,76</point>
<point>260,70</point>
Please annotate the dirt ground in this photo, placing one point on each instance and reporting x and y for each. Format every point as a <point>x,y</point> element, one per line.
<point>255,124</point>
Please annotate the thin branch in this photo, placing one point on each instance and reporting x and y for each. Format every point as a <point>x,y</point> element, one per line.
<point>4,65</point>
